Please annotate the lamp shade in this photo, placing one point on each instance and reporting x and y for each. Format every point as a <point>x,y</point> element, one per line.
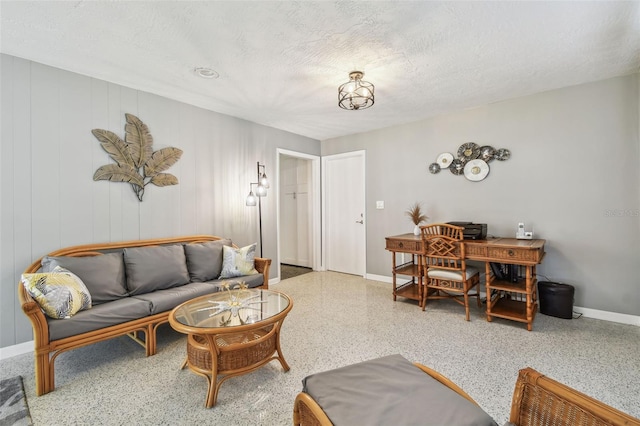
<point>356,94</point>
<point>261,191</point>
<point>251,199</point>
<point>264,181</point>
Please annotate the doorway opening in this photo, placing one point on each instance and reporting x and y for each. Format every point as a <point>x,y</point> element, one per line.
<point>298,211</point>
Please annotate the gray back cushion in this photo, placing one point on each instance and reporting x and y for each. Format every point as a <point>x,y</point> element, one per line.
<point>103,275</point>
<point>155,268</point>
<point>204,260</point>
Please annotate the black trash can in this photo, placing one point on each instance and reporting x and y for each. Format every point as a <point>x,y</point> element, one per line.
<point>556,299</point>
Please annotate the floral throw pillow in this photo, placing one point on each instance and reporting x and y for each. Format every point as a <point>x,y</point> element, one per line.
<point>60,293</point>
<point>238,262</point>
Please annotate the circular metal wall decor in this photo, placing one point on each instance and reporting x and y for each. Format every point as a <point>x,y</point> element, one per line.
<point>476,170</point>
<point>457,167</point>
<point>444,160</point>
<point>503,154</point>
<point>487,153</point>
<point>472,161</point>
<point>468,151</point>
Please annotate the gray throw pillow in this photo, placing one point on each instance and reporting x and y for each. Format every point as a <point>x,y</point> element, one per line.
<point>204,260</point>
<point>155,268</point>
<point>103,275</point>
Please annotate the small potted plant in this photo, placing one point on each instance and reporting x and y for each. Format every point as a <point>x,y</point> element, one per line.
<point>417,217</point>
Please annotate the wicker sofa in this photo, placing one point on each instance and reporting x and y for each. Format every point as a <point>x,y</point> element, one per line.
<point>134,286</point>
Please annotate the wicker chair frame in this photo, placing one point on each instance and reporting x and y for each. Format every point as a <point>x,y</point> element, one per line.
<point>46,351</point>
<point>541,401</point>
<point>444,249</point>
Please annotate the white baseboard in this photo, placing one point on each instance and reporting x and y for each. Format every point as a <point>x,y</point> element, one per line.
<point>19,349</point>
<point>273,281</point>
<point>608,316</point>
<point>382,278</point>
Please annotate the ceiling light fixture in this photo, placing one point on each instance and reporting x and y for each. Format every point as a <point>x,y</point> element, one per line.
<point>355,94</point>
<point>205,72</point>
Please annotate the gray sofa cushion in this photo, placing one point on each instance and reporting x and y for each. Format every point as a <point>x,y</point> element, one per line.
<point>103,275</point>
<point>100,316</point>
<point>155,268</point>
<point>165,300</point>
<point>204,260</point>
<point>251,280</point>
<point>390,391</point>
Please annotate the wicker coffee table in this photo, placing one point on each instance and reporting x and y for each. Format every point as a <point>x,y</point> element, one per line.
<point>231,333</point>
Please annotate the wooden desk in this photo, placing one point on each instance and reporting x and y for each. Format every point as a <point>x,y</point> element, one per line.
<point>505,299</point>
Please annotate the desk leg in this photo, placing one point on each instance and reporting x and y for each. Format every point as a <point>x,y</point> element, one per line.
<point>487,289</point>
<point>393,273</point>
<point>531,296</point>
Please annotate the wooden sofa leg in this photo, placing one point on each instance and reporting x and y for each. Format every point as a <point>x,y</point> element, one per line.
<point>44,374</point>
<point>150,339</point>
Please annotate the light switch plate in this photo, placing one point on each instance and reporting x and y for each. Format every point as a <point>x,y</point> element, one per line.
<point>379,204</point>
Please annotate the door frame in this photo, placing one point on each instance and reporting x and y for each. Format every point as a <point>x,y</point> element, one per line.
<point>314,211</point>
<point>363,243</point>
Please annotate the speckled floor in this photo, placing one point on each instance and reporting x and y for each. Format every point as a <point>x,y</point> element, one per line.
<point>337,320</point>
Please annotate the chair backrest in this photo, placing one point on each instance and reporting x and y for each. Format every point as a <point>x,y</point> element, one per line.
<point>539,400</point>
<point>443,246</point>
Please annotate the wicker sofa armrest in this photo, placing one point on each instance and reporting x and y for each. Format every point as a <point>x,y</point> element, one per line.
<point>539,400</point>
<point>263,265</point>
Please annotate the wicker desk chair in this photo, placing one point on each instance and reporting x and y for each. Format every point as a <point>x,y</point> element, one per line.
<point>447,273</point>
<point>541,401</point>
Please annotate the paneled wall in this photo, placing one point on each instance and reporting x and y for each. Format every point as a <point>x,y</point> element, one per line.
<point>48,156</point>
<point>573,178</point>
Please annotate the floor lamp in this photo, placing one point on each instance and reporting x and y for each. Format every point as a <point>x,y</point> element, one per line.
<point>261,191</point>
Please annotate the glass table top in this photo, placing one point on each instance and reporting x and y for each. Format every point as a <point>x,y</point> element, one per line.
<point>229,308</point>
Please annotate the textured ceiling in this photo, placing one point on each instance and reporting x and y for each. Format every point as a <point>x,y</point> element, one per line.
<point>280,62</point>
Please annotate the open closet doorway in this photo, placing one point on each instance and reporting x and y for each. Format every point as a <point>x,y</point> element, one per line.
<point>298,210</point>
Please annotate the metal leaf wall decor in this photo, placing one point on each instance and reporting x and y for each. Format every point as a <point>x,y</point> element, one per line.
<point>136,163</point>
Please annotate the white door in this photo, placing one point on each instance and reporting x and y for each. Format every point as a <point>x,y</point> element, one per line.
<point>344,209</point>
<point>295,223</point>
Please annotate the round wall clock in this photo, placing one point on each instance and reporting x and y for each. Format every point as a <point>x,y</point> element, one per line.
<point>434,168</point>
<point>468,151</point>
<point>476,170</point>
<point>444,160</point>
<point>487,153</point>
<point>456,167</point>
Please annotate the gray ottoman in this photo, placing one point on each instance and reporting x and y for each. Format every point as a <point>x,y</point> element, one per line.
<point>385,391</point>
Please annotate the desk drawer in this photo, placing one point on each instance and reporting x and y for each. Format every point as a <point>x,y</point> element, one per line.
<point>513,254</point>
<point>405,246</point>
<point>478,250</point>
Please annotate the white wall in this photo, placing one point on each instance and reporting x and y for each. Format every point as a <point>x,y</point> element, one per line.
<point>48,156</point>
<point>573,178</point>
